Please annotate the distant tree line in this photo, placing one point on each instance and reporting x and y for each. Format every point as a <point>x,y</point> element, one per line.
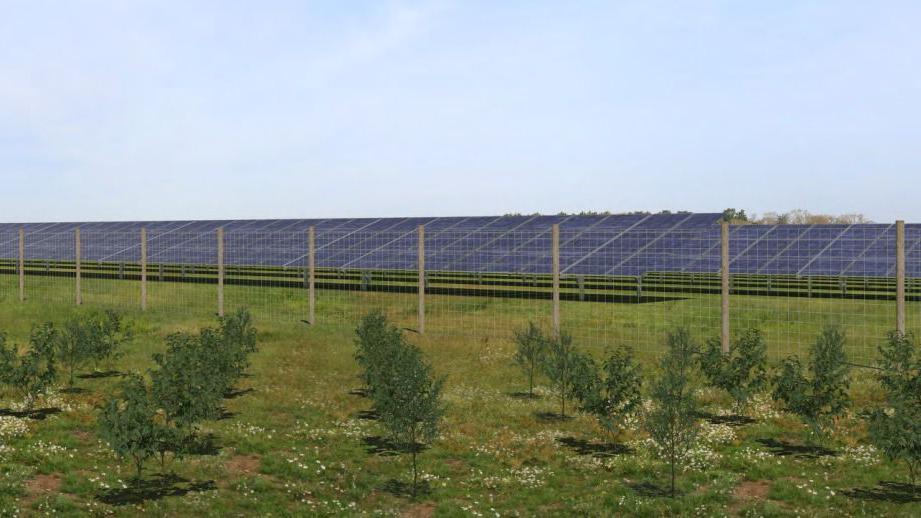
<point>793,217</point>
<point>739,216</point>
<point>600,213</point>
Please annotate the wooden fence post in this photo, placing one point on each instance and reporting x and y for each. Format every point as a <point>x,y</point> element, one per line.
<point>724,273</point>
<point>78,298</point>
<point>555,259</point>
<point>311,275</point>
<point>22,265</point>
<point>220,271</point>
<point>900,276</point>
<point>143,269</point>
<point>421,279</point>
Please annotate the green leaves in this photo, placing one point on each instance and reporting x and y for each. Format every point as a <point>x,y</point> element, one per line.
<point>613,393</point>
<point>402,384</point>
<point>31,374</point>
<point>672,422</point>
<point>895,428</point>
<point>531,352</point>
<point>742,372</point>
<point>566,369</point>
<point>820,394</point>
<point>128,423</point>
<point>92,337</point>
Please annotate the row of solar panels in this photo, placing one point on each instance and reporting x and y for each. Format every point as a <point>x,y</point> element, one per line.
<point>589,245</point>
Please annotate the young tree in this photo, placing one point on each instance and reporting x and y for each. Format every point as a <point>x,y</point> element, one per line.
<point>31,374</point>
<point>532,348</point>
<point>376,343</point>
<point>226,349</point>
<point>127,423</point>
<point>185,384</point>
<point>563,366</point>
<point>614,393</point>
<point>91,336</point>
<point>823,394</point>
<point>672,423</point>
<point>896,428</point>
<point>409,402</point>
<point>742,371</point>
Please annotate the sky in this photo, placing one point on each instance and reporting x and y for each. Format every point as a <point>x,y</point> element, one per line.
<point>140,110</point>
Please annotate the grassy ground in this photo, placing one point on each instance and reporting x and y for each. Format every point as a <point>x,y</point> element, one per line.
<point>298,442</point>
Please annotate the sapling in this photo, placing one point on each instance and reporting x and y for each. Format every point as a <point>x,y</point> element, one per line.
<point>31,374</point>
<point>92,336</point>
<point>672,422</point>
<point>228,347</point>
<point>531,351</point>
<point>184,384</point>
<point>127,423</point>
<point>376,343</point>
<point>818,393</point>
<point>741,372</point>
<point>896,427</point>
<point>409,402</point>
<point>613,393</point>
<point>561,366</point>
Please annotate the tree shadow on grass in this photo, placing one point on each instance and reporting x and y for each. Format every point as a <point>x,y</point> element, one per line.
<point>235,393</point>
<point>894,492</point>
<point>523,395</point>
<point>153,489</point>
<point>368,415</point>
<point>552,417</point>
<point>650,490</point>
<point>202,445</point>
<point>729,420</point>
<point>39,414</point>
<point>402,489</point>
<point>225,414</point>
<point>360,392</point>
<point>100,374</point>
<point>802,451</point>
<point>377,445</point>
<point>595,449</point>
<point>74,390</point>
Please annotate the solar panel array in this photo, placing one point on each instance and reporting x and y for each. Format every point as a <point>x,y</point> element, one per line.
<point>589,245</point>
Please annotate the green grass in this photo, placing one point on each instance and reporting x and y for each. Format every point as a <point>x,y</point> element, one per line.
<point>296,444</point>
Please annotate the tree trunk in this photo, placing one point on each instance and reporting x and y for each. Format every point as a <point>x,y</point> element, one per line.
<point>673,474</point>
<point>414,470</point>
<point>531,383</point>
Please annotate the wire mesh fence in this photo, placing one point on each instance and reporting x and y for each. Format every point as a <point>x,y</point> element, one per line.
<point>624,284</point>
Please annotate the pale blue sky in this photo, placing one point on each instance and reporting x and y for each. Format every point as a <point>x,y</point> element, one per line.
<point>219,109</point>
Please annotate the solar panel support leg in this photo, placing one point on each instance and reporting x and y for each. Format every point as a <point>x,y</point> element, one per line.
<point>900,276</point>
<point>143,269</point>
<point>220,271</point>
<point>421,281</point>
<point>311,275</point>
<point>78,295</point>
<point>555,253</point>
<point>22,265</point>
<point>724,288</point>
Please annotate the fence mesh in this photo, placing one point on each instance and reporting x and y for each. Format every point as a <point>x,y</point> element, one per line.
<point>625,285</point>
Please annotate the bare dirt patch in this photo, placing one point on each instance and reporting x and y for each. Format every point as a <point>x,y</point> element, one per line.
<point>752,490</point>
<point>42,484</point>
<point>39,486</point>
<point>421,510</point>
<point>244,464</point>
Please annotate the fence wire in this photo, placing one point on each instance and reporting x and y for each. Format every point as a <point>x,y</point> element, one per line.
<point>627,283</point>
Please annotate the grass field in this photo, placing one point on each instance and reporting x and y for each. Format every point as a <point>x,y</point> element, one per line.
<point>299,442</point>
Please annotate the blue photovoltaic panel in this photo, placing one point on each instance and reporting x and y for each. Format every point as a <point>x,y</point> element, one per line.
<point>630,244</point>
